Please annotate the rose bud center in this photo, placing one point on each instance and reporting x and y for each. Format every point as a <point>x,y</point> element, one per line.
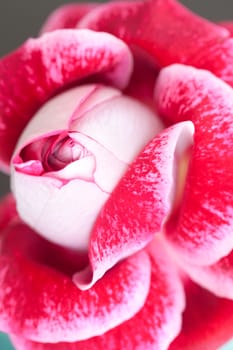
<point>71,156</point>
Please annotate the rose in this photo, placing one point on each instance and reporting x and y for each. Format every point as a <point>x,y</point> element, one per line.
<point>134,291</point>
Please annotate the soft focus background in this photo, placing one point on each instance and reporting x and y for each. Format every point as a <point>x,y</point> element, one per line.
<point>22,19</point>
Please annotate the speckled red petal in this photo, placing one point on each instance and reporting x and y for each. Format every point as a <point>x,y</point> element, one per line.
<point>203,229</point>
<point>207,321</point>
<point>163,28</point>
<point>42,67</point>
<point>154,327</point>
<point>43,304</point>
<point>138,206</point>
<point>66,16</point>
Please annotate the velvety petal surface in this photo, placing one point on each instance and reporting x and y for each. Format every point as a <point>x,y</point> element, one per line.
<point>139,205</point>
<point>202,230</point>
<point>165,29</point>
<point>42,304</point>
<point>153,327</point>
<point>207,321</point>
<point>42,67</point>
<point>66,16</point>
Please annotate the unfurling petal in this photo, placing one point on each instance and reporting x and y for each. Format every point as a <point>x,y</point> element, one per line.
<point>139,205</point>
<point>203,229</point>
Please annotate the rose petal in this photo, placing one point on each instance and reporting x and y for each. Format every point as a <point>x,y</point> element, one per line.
<point>66,16</point>
<point>7,211</point>
<point>43,304</point>
<point>55,115</point>
<point>165,29</point>
<point>228,25</point>
<point>40,202</point>
<point>118,120</point>
<point>153,327</point>
<point>203,231</point>
<point>207,323</point>
<point>217,58</point>
<point>142,82</point>
<point>41,67</point>
<point>139,204</point>
<point>217,278</point>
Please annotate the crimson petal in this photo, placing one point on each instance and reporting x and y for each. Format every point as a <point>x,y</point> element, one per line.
<point>7,212</point>
<point>203,232</point>
<point>66,16</point>
<point>43,304</point>
<point>153,327</point>
<point>139,204</point>
<point>163,28</point>
<point>42,67</point>
<point>207,322</point>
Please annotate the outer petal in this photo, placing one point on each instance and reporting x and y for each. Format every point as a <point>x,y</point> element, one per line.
<point>166,30</point>
<point>228,25</point>
<point>217,58</point>
<point>217,278</point>
<point>203,231</point>
<point>43,304</point>
<point>163,28</point>
<point>42,67</point>
<point>7,212</point>
<point>66,16</point>
<point>139,204</point>
<point>207,323</point>
<point>154,327</point>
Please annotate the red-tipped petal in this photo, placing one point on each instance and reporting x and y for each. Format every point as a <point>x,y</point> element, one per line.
<point>207,322</point>
<point>43,304</point>
<point>138,206</point>
<point>66,16</point>
<point>42,67</point>
<point>203,231</point>
<point>154,327</point>
<point>163,28</point>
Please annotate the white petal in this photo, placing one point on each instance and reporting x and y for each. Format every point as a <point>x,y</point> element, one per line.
<point>122,125</point>
<point>62,214</point>
<point>109,169</point>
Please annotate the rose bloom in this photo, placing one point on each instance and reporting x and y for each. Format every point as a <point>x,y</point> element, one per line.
<point>116,129</point>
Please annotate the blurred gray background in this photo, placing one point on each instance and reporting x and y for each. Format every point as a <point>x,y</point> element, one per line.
<point>22,19</point>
